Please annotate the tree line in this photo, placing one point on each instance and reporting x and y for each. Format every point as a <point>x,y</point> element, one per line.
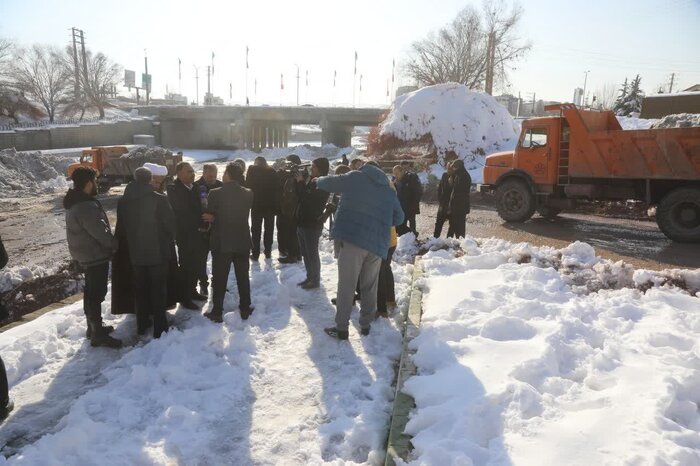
<point>43,81</point>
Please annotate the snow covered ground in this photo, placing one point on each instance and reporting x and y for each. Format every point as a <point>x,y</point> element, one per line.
<point>537,356</point>
<point>272,390</point>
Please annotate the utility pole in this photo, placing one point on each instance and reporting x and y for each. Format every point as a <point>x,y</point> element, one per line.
<point>207,100</point>
<point>76,65</point>
<point>148,83</point>
<point>517,112</point>
<point>670,87</point>
<point>490,63</point>
<point>585,80</point>
<point>86,83</point>
<point>297,85</point>
<point>196,80</point>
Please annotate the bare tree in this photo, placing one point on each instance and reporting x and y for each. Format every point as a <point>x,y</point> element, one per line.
<point>5,52</point>
<point>40,74</point>
<point>459,52</point>
<point>606,95</point>
<point>95,86</point>
<point>13,103</point>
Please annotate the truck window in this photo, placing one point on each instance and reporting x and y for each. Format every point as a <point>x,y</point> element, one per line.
<point>534,137</point>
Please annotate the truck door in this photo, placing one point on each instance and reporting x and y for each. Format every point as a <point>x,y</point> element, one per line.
<point>535,154</point>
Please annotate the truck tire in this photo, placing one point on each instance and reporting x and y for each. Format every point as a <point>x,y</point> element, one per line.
<point>548,212</point>
<point>678,215</point>
<point>514,201</point>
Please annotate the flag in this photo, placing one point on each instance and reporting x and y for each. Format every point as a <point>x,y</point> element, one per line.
<point>255,91</point>
<point>355,62</point>
<point>360,83</point>
<point>179,69</point>
<point>393,65</point>
<point>335,75</point>
<point>230,90</point>
<point>281,81</point>
<point>246,57</point>
<point>212,63</point>
<point>307,78</point>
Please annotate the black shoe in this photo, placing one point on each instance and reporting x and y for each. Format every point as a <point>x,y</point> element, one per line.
<point>379,314</point>
<point>198,297</point>
<point>204,290</point>
<point>335,333</point>
<point>334,301</point>
<point>287,260</point>
<point>364,331</point>
<point>102,339</point>
<point>255,257</point>
<point>5,411</point>
<point>107,328</point>
<point>246,312</point>
<point>189,305</point>
<point>215,316</point>
<point>310,285</point>
<point>303,283</point>
<point>268,255</point>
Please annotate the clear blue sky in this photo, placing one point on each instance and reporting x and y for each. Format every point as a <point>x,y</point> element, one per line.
<point>613,39</point>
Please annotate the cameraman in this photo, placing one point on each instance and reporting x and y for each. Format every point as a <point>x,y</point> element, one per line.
<point>312,203</point>
<point>287,240</point>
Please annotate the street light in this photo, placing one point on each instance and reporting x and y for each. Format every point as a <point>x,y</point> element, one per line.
<point>297,83</point>
<point>585,79</point>
<point>196,80</point>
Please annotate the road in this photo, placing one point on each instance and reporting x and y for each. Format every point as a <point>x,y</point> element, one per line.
<point>639,243</point>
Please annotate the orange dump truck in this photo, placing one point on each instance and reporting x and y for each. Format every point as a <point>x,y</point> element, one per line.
<point>114,167</point>
<point>587,155</point>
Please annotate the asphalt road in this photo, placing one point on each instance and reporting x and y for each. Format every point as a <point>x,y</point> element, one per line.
<point>639,243</point>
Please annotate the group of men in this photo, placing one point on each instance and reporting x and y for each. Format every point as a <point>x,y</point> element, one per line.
<point>165,233</point>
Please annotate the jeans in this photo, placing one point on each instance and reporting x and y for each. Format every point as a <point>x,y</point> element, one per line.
<point>256,229</point>
<point>308,242</point>
<point>150,288</point>
<point>356,263</point>
<point>385,284</point>
<point>221,266</point>
<point>95,291</point>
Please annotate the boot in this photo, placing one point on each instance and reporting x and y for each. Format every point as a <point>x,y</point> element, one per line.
<point>189,305</point>
<point>198,297</point>
<point>364,331</point>
<point>215,316</point>
<point>6,410</point>
<point>100,337</point>
<point>204,290</point>
<point>335,333</point>
<point>246,312</point>
<point>107,328</point>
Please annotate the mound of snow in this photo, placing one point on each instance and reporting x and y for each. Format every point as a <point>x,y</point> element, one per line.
<point>470,123</point>
<point>635,123</point>
<point>30,173</point>
<point>680,120</point>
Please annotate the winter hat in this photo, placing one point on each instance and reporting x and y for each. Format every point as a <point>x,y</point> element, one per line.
<point>155,169</point>
<point>323,165</point>
<point>294,158</point>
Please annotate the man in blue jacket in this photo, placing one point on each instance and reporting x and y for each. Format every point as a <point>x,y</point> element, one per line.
<point>367,210</point>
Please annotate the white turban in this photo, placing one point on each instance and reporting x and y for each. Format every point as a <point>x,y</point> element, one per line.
<point>156,170</point>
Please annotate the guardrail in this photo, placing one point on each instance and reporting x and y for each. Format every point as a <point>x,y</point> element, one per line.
<point>66,122</point>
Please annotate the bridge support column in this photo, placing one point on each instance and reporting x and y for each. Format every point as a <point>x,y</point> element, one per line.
<point>336,133</point>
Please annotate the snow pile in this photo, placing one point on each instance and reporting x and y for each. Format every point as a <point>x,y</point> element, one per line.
<point>454,118</point>
<point>11,277</point>
<point>272,390</point>
<point>525,366</point>
<point>680,120</point>
<point>635,123</point>
<point>147,153</point>
<point>30,173</point>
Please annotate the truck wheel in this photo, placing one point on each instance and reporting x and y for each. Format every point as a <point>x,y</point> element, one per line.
<point>678,215</point>
<point>514,201</point>
<point>548,212</point>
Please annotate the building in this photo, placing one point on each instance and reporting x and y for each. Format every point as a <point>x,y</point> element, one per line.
<point>660,105</point>
<point>401,90</point>
<point>694,88</point>
<point>578,96</point>
<point>510,102</point>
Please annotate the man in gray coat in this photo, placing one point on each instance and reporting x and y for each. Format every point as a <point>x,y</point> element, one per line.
<point>148,221</point>
<point>228,209</point>
<point>90,242</point>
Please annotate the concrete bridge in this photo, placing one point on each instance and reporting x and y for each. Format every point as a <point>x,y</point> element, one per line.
<point>254,127</point>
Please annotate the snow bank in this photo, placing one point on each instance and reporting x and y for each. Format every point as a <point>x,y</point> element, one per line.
<point>680,120</point>
<point>551,356</point>
<point>470,123</point>
<point>12,277</point>
<point>31,173</point>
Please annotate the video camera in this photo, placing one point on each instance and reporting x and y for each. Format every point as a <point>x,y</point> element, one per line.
<point>293,169</point>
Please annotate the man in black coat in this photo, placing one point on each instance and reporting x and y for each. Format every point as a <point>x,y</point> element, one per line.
<point>146,218</point>
<point>409,190</point>
<point>288,201</point>
<point>185,201</point>
<point>206,183</point>
<point>228,209</point>
<point>459,199</point>
<point>444,193</point>
<point>263,181</point>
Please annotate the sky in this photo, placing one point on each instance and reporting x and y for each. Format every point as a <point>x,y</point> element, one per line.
<point>611,39</point>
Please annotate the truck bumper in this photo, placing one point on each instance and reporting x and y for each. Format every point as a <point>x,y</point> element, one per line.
<point>484,188</point>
